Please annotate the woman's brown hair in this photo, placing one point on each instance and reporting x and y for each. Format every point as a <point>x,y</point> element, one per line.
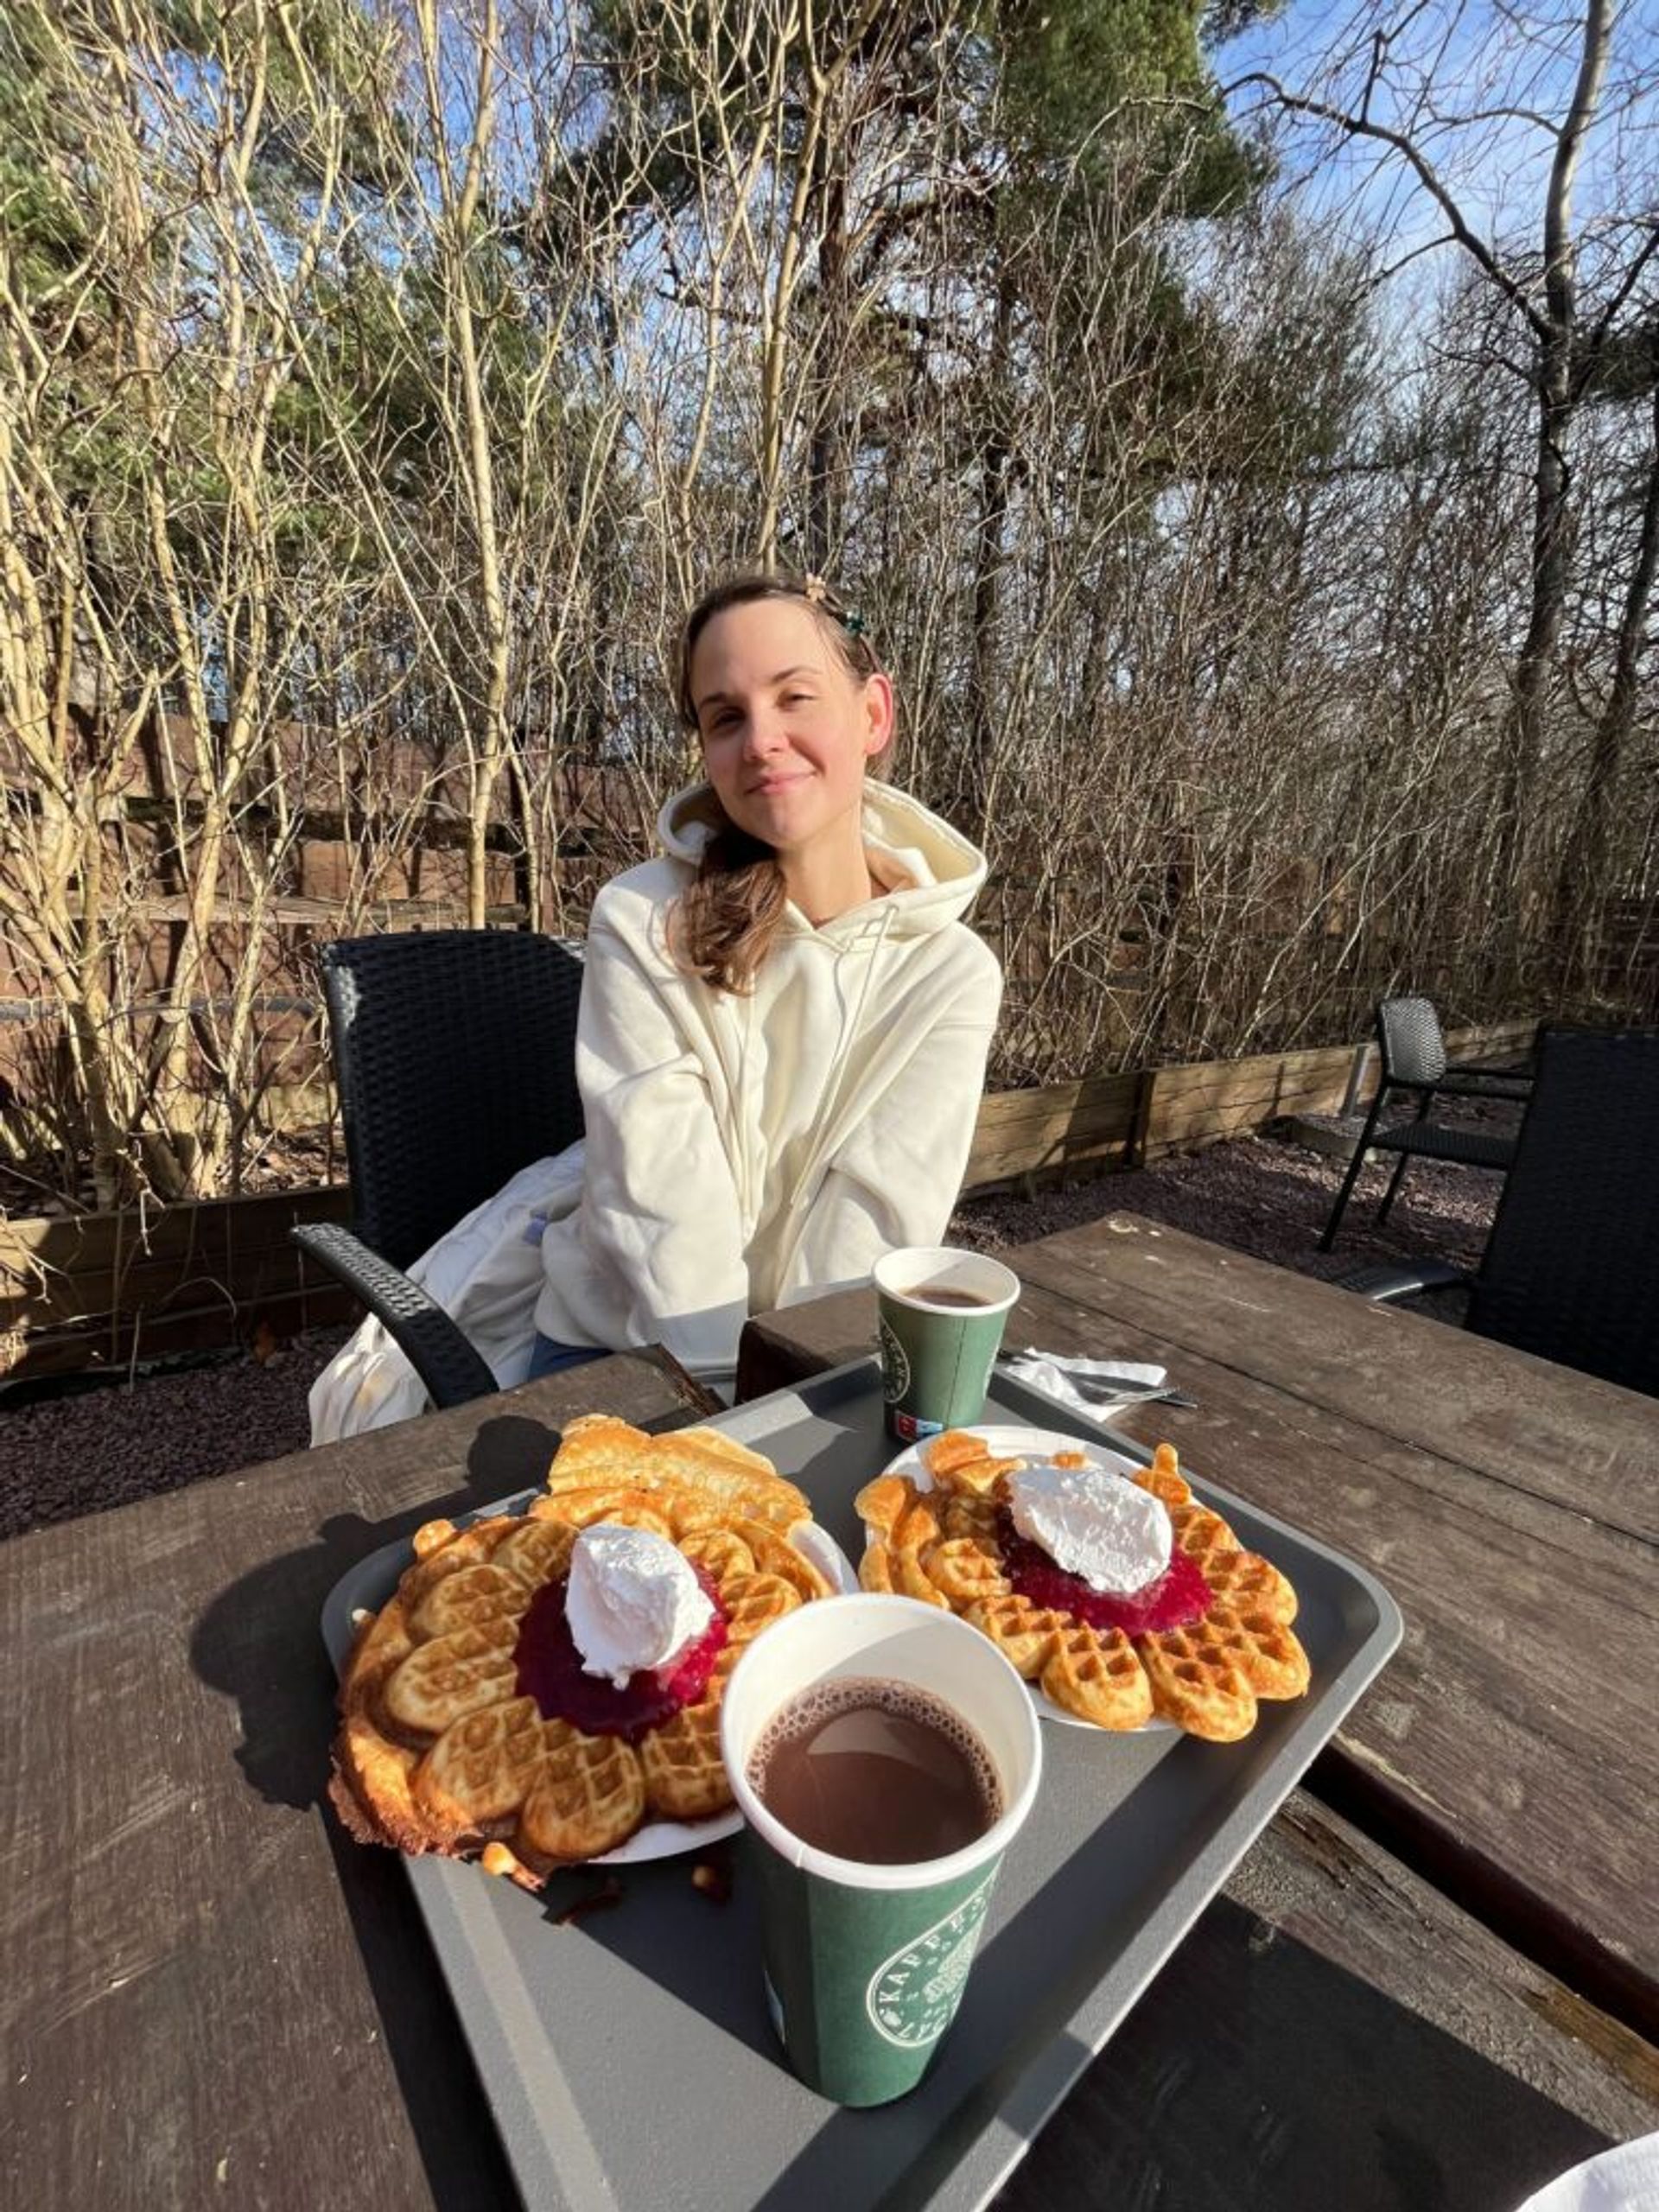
<point>727,921</point>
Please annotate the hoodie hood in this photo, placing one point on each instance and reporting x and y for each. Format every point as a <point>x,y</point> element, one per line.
<point>929,873</point>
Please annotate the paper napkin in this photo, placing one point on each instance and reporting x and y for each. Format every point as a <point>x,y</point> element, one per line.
<point>1623,2179</point>
<point>1085,1385</point>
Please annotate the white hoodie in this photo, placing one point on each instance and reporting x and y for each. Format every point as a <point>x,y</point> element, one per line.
<point>745,1151</point>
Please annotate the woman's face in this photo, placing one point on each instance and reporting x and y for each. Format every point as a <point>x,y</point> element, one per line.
<point>786,727</point>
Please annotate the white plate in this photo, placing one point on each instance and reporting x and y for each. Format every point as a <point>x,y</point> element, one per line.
<point>668,1838</point>
<point>1005,1443</point>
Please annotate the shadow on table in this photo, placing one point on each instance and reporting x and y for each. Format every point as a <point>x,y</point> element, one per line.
<point>1254,2075</point>
<point>259,1642</point>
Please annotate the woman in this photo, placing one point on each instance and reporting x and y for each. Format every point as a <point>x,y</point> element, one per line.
<point>784,1022</point>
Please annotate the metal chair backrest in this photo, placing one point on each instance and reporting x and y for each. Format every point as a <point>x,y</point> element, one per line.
<point>1571,1270</point>
<point>454,1051</point>
<point>1412,1045</point>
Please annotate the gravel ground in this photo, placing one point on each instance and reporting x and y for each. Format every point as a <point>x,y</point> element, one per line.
<point>81,1452</point>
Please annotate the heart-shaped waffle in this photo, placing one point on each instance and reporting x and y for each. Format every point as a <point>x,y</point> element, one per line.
<point>440,1745</point>
<point>945,1545</point>
<point>685,1776</point>
<point>1097,1674</point>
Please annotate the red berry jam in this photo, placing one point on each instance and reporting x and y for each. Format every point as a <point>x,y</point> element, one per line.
<point>1179,1595</point>
<point>549,1669</point>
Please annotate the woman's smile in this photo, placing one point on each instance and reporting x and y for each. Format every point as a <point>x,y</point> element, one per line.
<point>787,731</point>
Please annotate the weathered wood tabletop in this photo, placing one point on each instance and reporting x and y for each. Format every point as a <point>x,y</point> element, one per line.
<point>211,1995</point>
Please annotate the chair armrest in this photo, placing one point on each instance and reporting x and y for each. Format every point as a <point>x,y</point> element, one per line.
<point>438,1351</point>
<point>1381,1284</point>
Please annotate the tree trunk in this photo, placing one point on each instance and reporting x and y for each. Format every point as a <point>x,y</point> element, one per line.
<point>827,462</point>
<point>1557,405</point>
<point>989,554</point>
<point>1581,892</point>
<point>1551,555</point>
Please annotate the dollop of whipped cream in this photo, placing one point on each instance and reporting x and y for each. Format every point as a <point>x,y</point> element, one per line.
<point>632,1601</point>
<point>1101,1526</point>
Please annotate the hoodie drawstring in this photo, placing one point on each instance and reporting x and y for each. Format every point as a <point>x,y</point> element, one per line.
<point>868,939</point>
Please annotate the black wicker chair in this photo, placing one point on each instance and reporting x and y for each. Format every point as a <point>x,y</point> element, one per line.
<point>1571,1270</point>
<point>1414,1059</point>
<point>454,1051</point>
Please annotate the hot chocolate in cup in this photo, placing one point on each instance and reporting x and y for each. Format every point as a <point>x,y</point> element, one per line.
<point>866,1962</point>
<point>941,1312</point>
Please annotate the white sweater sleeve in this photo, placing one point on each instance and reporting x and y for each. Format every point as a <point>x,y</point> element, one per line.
<point>896,1179</point>
<point>661,1233</point>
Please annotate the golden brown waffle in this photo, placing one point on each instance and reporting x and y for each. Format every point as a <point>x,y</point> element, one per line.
<point>482,1768</point>
<point>754,1602</point>
<point>685,1776</point>
<point>1164,1477</point>
<point>540,1551</point>
<point>1024,1633</point>
<point>772,1555</point>
<point>875,1568</point>
<point>719,1553</point>
<point>910,1545</point>
<point>958,1460</point>
<point>471,1598</point>
<point>582,1504</point>
<point>1243,1580</point>
<point>1197,1684</point>
<point>966,1515</point>
<point>943,1545</point>
<point>966,1569</point>
<point>443,1681</point>
<point>1096,1674</point>
<point>440,1549</point>
<point>1198,1532</point>
<point>880,1503</point>
<point>1266,1651</point>
<point>598,1449</point>
<point>438,1750</point>
<point>588,1796</point>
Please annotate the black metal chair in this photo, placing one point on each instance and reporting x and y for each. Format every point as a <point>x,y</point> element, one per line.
<point>1571,1270</point>
<point>454,1051</point>
<point>1413,1052</point>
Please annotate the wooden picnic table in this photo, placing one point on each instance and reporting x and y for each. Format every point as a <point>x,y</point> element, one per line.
<point>211,1995</point>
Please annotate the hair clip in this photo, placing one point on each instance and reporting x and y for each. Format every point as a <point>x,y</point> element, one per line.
<point>852,624</point>
<point>815,589</point>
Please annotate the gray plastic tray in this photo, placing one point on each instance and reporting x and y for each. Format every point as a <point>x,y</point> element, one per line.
<point>627,2055</point>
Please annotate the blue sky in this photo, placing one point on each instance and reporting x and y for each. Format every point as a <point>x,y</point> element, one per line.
<point>1452,58</point>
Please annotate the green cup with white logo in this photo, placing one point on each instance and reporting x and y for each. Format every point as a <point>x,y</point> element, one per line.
<point>941,1312</point>
<point>866,1964</point>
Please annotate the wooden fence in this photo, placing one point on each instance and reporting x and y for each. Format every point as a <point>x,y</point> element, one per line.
<point>393,860</point>
<point>105,1290</point>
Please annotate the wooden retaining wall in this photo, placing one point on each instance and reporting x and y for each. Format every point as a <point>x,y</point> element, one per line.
<point>1124,1121</point>
<point>104,1290</point>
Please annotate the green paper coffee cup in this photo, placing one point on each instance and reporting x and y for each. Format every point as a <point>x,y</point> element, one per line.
<point>866,1965</point>
<point>940,1316</point>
